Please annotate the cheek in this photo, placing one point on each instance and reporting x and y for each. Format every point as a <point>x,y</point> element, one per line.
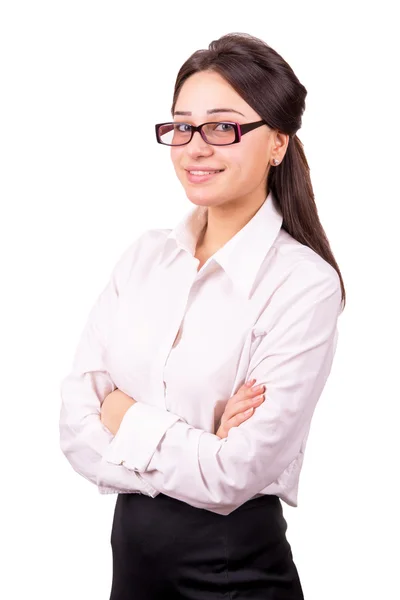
<point>241,163</point>
<point>254,161</point>
<point>176,155</point>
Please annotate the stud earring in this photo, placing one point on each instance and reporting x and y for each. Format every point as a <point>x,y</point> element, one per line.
<point>275,161</point>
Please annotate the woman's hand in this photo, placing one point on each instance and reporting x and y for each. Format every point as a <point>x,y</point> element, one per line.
<point>240,407</point>
<point>113,409</point>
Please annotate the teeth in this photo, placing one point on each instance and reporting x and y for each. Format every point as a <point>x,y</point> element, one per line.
<point>203,172</point>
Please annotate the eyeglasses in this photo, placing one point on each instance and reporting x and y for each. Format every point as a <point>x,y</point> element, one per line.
<point>221,133</point>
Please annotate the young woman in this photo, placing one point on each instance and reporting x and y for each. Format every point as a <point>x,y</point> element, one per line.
<point>160,405</point>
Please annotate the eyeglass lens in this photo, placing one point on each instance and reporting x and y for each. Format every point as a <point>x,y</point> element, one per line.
<point>175,134</point>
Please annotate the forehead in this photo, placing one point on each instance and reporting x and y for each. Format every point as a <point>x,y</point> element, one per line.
<point>206,90</point>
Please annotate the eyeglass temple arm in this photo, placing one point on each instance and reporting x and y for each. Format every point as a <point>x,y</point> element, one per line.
<point>250,126</point>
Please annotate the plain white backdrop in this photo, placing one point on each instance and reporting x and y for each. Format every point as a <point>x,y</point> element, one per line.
<point>81,176</point>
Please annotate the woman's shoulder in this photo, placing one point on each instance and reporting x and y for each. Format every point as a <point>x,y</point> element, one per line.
<point>141,253</point>
<point>300,257</point>
<point>146,243</point>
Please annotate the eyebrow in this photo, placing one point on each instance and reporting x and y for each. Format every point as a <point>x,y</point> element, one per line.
<point>212,111</point>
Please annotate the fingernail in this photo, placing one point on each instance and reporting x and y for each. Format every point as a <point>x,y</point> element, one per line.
<point>258,388</point>
<point>250,383</point>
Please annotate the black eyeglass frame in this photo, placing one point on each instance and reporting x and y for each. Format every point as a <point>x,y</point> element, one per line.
<point>239,128</point>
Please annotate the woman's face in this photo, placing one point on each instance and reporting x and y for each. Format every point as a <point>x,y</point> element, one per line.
<point>244,165</point>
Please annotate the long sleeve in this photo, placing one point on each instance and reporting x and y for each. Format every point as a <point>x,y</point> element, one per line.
<point>293,360</point>
<point>83,437</point>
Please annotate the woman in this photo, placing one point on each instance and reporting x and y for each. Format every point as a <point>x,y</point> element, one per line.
<point>245,289</point>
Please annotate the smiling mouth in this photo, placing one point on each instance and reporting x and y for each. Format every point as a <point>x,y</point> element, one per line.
<point>200,172</point>
<point>198,177</point>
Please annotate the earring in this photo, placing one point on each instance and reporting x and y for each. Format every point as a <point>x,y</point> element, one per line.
<point>275,161</point>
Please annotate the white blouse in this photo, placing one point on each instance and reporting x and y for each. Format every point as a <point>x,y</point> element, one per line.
<point>181,342</point>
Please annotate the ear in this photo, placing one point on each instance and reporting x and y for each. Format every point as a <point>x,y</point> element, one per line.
<point>280,144</point>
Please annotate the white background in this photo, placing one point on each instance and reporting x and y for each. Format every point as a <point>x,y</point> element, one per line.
<point>82,85</point>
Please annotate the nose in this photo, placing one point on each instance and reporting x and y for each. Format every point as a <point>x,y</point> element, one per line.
<point>198,147</point>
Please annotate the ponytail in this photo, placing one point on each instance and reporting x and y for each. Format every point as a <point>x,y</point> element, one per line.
<point>291,185</point>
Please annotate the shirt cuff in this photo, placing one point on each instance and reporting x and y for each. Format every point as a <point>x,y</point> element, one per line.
<point>141,429</point>
<point>112,479</point>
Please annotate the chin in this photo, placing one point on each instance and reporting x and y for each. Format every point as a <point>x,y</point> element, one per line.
<point>203,197</point>
<point>202,200</point>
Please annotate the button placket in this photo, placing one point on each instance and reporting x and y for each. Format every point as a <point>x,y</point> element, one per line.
<point>174,281</point>
<point>174,344</point>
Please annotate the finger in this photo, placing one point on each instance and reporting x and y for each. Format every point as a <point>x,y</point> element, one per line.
<point>249,383</point>
<point>256,390</point>
<point>255,401</point>
<point>241,407</point>
<point>243,416</point>
<point>237,419</point>
<point>234,421</point>
<point>249,390</point>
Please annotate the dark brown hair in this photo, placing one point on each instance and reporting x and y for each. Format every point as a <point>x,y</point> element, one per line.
<point>268,84</point>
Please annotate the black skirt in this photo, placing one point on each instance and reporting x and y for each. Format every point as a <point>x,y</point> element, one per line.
<point>164,549</point>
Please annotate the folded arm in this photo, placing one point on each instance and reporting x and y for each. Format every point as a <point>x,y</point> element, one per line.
<point>83,437</point>
<point>293,360</point>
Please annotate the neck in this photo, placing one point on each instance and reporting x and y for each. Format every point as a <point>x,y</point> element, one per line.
<point>223,223</point>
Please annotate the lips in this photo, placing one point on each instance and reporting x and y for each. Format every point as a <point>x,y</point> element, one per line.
<point>203,169</point>
<point>202,177</point>
<point>193,172</point>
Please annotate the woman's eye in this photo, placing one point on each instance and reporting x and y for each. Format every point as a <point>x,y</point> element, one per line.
<point>224,126</point>
<point>182,127</point>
